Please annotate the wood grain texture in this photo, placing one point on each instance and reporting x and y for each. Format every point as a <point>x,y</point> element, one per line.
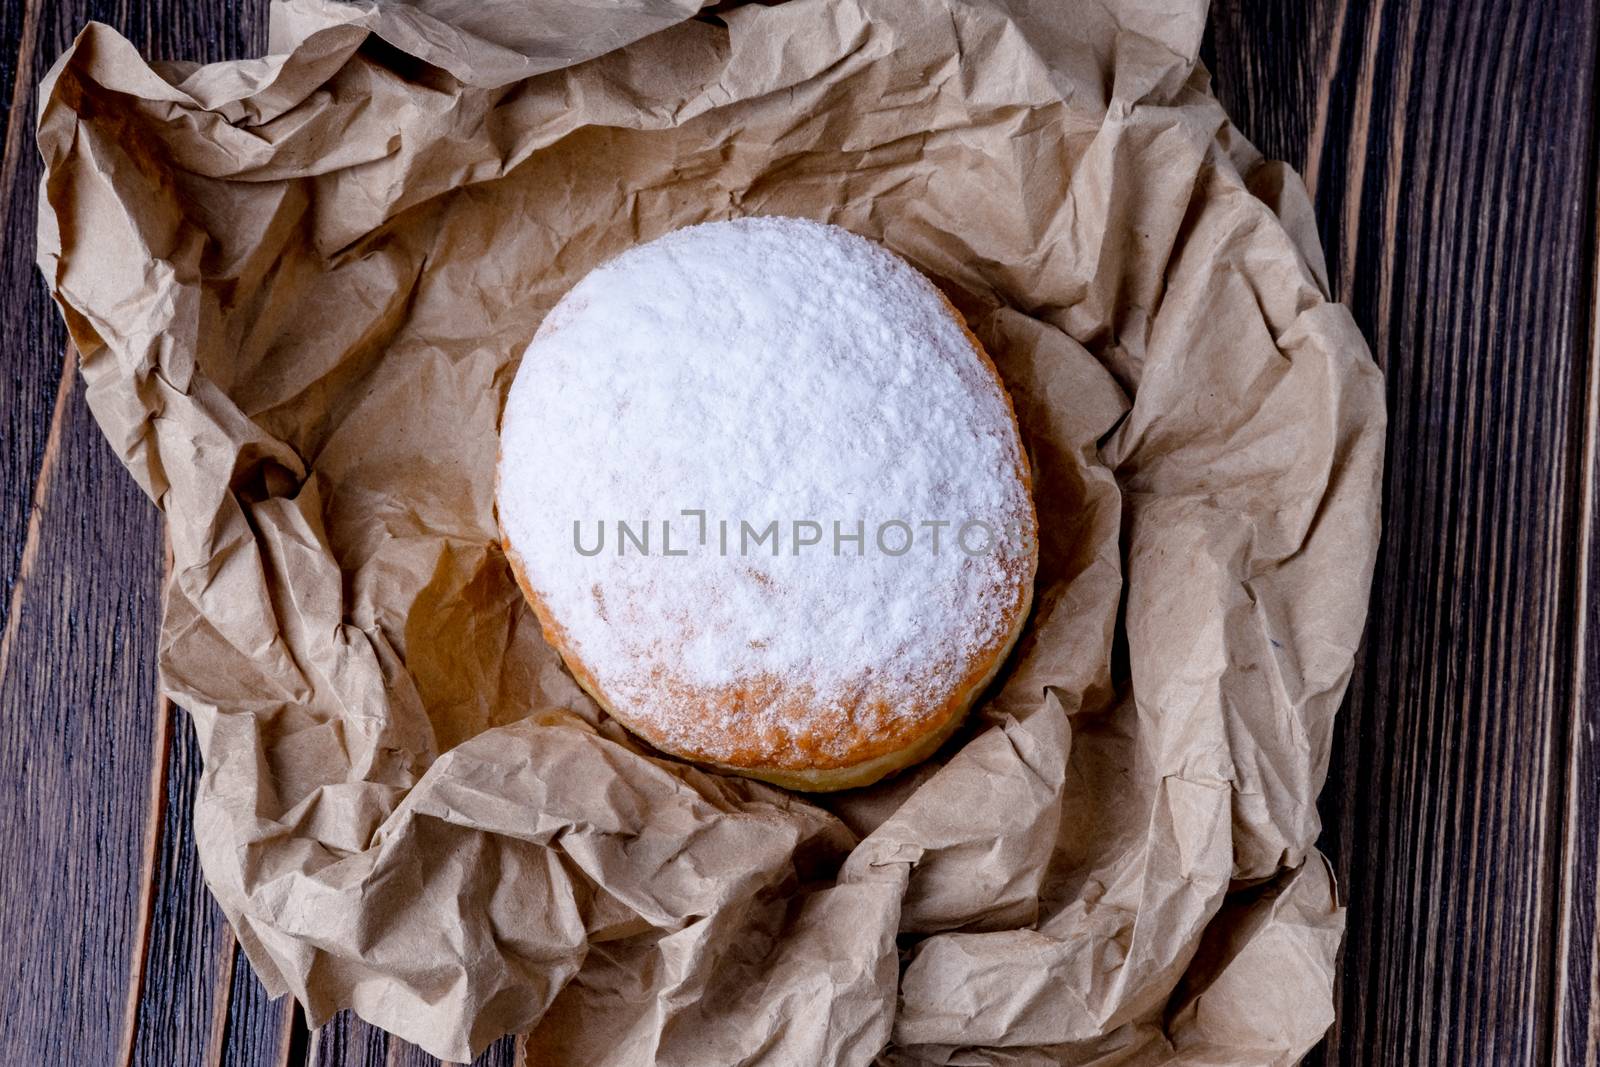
<point>1577,987</point>
<point>346,1041</point>
<point>1450,149</point>
<point>75,751</point>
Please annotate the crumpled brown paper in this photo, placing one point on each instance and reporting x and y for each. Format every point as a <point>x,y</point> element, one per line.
<point>300,285</point>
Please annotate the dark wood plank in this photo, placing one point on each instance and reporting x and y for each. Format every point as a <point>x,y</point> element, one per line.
<point>76,689</point>
<point>184,974</point>
<point>502,1053</point>
<point>346,1041</point>
<point>35,341</point>
<point>1450,150</point>
<point>254,1031</point>
<point>1577,1040</point>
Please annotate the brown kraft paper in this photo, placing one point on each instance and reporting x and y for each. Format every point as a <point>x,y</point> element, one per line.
<point>300,287</point>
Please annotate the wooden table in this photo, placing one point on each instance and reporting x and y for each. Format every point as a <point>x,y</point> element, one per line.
<point>1451,150</point>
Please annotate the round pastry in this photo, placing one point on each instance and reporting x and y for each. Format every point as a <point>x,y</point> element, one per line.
<point>767,496</point>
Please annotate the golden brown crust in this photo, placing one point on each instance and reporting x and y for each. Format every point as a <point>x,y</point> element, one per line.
<point>876,759</point>
<point>841,749</point>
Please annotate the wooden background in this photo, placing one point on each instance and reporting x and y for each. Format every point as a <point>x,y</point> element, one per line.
<point>1451,150</point>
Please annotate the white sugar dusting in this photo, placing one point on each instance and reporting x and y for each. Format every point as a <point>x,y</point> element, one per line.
<point>761,370</point>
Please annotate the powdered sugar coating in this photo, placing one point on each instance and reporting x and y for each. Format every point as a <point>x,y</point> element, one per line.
<point>757,370</point>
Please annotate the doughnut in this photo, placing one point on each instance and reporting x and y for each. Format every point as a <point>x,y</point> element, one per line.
<point>767,497</point>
